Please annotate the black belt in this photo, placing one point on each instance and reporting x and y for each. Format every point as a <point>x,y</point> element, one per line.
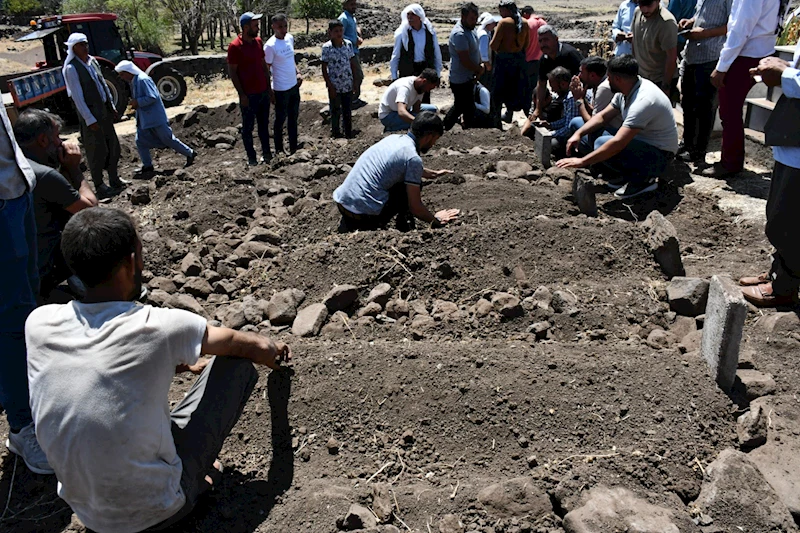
<point>348,214</point>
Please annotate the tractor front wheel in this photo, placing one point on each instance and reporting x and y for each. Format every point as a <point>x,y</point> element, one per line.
<point>170,83</point>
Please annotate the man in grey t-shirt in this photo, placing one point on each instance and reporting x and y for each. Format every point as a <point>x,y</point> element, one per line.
<point>634,157</point>
<point>100,373</point>
<point>387,181</point>
<point>465,67</point>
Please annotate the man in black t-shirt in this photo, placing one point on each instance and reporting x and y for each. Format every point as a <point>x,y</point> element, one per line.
<point>556,54</point>
<point>60,189</point>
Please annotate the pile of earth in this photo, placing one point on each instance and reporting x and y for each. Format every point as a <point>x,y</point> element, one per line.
<point>528,369</point>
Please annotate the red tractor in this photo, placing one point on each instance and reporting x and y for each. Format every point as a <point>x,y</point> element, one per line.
<point>45,86</point>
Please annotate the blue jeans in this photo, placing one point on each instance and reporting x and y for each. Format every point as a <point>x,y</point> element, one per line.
<point>287,104</point>
<point>158,137</point>
<point>393,122</point>
<point>19,287</point>
<point>586,145</point>
<point>257,110</point>
<point>637,162</point>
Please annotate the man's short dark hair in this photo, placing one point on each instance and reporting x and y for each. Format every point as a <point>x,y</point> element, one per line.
<point>32,123</point>
<point>559,74</point>
<point>647,2</point>
<point>95,241</point>
<point>280,17</point>
<point>468,8</point>
<point>430,75</point>
<point>425,123</point>
<point>595,65</point>
<point>335,23</point>
<point>624,65</point>
<point>527,10</point>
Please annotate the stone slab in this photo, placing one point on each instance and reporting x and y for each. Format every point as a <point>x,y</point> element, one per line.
<point>543,145</point>
<point>722,333</point>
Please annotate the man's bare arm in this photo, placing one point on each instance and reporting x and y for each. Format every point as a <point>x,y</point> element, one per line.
<point>258,349</point>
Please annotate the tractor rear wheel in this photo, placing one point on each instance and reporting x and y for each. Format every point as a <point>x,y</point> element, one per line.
<point>170,83</point>
<point>118,88</point>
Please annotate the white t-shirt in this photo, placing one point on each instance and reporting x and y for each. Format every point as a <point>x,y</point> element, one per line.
<point>99,379</point>
<point>401,90</point>
<point>279,53</point>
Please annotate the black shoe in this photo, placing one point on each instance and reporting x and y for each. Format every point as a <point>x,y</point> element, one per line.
<point>103,191</point>
<point>265,159</point>
<point>692,157</point>
<point>252,162</point>
<point>358,104</point>
<point>683,149</point>
<point>118,183</point>
<point>190,159</point>
<point>149,169</point>
<point>632,190</point>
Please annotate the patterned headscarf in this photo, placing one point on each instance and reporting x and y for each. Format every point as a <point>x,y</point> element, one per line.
<point>402,31</point>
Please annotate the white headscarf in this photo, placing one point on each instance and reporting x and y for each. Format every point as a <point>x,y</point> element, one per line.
<point>402,31</point>
<point>487,18</point>
<point>129,67</point>
<point>74,39</point>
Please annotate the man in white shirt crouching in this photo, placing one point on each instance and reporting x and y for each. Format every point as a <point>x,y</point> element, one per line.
<point>100,372</point>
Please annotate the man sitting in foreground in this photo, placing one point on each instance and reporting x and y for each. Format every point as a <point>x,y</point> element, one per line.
<point>632,159</point>
<point>402,101</point>
<point>100,372</point>
<point>60,190</point>
<point>387,181</point>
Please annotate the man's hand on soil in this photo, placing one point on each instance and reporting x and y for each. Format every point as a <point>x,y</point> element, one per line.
<point>439,173</point>
<point>447,215</point>
<point>272,353</point>
<point>570,162</point>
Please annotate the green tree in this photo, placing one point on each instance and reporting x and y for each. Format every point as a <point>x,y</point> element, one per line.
<point>316,9</point>
<point>21,7</point>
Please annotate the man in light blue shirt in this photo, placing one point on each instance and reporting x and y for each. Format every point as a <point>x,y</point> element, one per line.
<point>386,181</point>
<point>780,285</point>
<point>621,28</point>
<point>152,125</point>
<point>353,34</point>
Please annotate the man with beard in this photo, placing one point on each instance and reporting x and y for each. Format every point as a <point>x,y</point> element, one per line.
<point>387,181</point>
<point>60,189</point>
<point>249,74</point>
<point>465,67</point>
<point>556,54</point>
<point>100,372</point>
<point>632,159</point>
<point>402,101</point>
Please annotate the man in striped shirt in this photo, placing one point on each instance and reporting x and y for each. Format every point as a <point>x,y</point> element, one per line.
<point>706,37</point>
<point>751,37</point>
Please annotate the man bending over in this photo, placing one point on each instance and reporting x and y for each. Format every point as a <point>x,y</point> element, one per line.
<point>387,181</point>
<point>100,371</point>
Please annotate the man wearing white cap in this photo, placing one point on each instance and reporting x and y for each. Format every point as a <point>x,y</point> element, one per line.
<point>92,99</point>
<point>152,125</point>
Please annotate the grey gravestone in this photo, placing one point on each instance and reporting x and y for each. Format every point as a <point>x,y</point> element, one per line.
<point>543,144</point>
<point>722,333</point>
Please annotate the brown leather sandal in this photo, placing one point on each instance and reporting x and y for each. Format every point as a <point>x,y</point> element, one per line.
<point>747,281</point>
<point>762,296</point>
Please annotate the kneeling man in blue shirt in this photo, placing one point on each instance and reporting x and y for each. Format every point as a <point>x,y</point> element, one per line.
<point>152,125</point>
<point>387,181</point>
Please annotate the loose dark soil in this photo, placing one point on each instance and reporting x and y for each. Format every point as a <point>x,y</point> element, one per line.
<point>594,403</point>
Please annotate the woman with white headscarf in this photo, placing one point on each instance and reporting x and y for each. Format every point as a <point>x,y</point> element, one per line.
<point>92,98</point>
<point>152,125</point>
<point>486,25</point>
<point>416,46</point>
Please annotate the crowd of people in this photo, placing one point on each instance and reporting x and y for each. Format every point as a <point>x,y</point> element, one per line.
<point>84,385</point>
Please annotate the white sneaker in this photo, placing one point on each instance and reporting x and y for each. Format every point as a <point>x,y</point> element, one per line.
<point>26,446</point>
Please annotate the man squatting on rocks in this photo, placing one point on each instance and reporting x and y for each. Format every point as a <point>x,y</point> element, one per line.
<point>92,98</point>
<point>60,190</point>
<point>631,159</point>
<point>152,124</point>
<point>402,101</point>
<point>338,65</point>
<point>386,181</point>
<point>286,82</point>
<point>100,372</point>
<point>249,74</point>
<point>779,286</point>
<point>416,46</point>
